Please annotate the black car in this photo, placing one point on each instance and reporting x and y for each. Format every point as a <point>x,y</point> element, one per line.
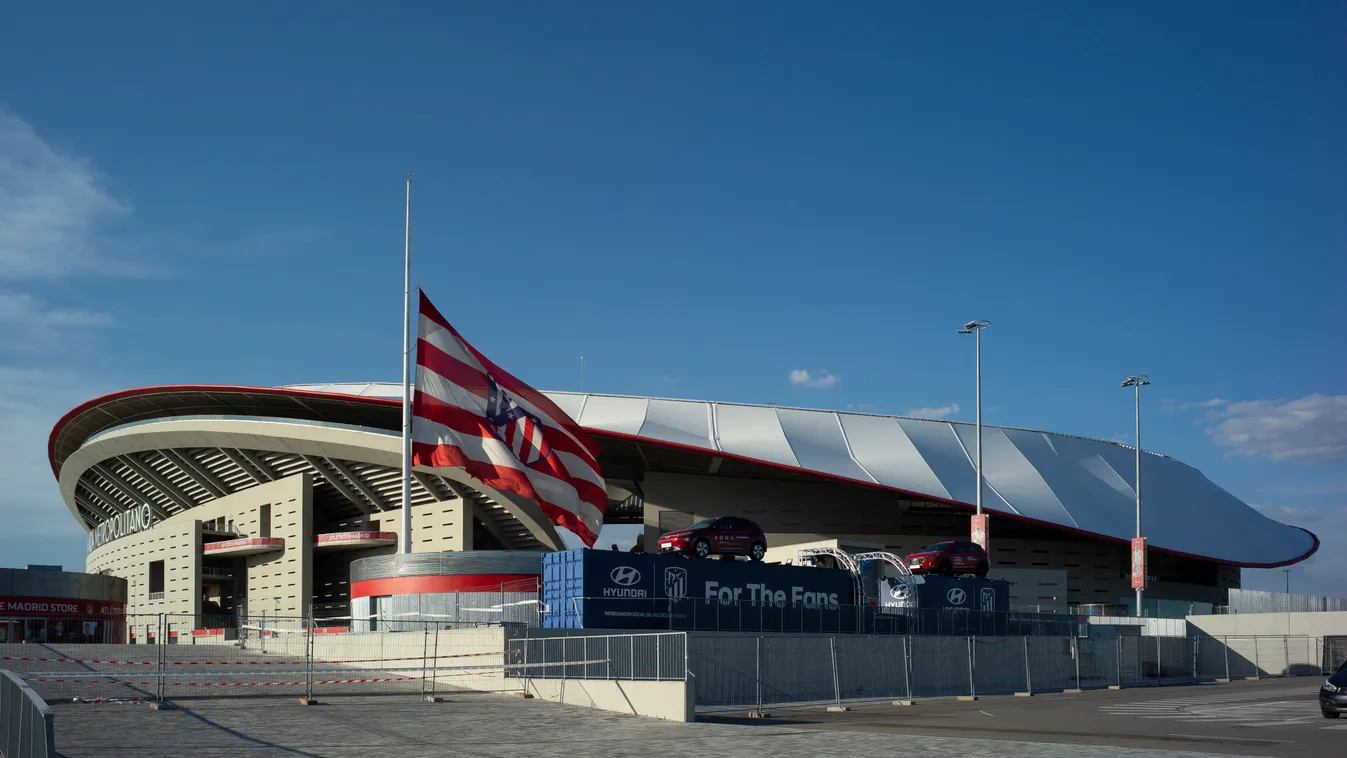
<point>1333,693</point>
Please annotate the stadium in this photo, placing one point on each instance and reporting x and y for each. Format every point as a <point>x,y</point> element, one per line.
<point>238,501</point>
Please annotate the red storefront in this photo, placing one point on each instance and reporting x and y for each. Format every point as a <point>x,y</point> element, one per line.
<point>60,620</point>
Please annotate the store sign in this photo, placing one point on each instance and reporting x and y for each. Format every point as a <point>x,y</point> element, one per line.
<point>128,522</point>
<point>57,606</point>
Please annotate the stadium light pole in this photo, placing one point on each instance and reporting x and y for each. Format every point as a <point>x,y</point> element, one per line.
<point>1136,383</point>
<point>405,533</point>
<point>975,328</point>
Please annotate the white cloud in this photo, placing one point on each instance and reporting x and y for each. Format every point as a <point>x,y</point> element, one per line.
<point>1215,402</point>
<point>54,214</point>
<point>33,400</point>
<point>943,411</point>
<point>1322,573</point>
<point>1310,429</point>
<point>31,323</point>
<point>823,380</point>
<point>51,206</point>
<point>862,407</point>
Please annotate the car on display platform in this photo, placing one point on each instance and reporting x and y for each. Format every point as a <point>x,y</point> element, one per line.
<point>1333,694</point>
<point>950,559</point>
<point>726,535</point>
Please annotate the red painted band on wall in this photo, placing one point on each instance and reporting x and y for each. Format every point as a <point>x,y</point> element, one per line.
<point>421,585</point>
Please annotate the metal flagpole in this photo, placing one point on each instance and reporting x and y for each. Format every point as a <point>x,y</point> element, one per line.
<point>405,540</point>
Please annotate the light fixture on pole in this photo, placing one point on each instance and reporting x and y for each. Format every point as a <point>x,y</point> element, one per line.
<point>979,521</point>
<point>1138,542</point>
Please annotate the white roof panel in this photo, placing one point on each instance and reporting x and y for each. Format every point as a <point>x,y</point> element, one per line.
<point>817,441</point>
<point>1072,482</point>
<point>753,431</point>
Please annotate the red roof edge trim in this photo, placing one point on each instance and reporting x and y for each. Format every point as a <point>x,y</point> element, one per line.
<point>284,391</point>
<point>80,409</point>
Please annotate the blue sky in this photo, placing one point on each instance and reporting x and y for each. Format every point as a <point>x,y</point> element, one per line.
<point>700,198</point>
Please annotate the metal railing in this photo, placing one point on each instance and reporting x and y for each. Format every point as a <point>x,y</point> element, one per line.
<point>743,671</point>
<point>25,721</point>
<point>652,656</point>
<point>711,615</point>
<point>158,657</point>
<point>1259,601</point>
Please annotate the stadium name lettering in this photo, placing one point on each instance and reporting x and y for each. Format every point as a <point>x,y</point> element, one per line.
<point>761,593</point>
<point>128,522</point>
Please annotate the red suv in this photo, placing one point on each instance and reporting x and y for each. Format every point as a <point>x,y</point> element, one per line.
<point>949,558</point>
<point>724,536</point>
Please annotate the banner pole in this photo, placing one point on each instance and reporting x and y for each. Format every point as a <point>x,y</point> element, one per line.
<point>405,541</point>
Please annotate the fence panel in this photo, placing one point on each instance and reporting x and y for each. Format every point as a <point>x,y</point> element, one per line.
<point>797,669</point>
<point>1335,653</point>
<point>1099,661</point>
<point>940,666</point>
<point>871,667</point>
<point>1052,663</point>
<point>727,670</point>
<point>998,665</point>
<point>109,657</point>
<point>25,720</point>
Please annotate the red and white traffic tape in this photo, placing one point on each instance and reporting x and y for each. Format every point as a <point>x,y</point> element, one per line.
<point>78,660</point>
<point>256,663</point>
<point>227,684</point>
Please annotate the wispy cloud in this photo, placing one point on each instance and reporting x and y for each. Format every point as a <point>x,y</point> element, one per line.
<point>31,323</point>
<point>55,222</point>
<point>942,412</point>
<point>822,380</point>
<point>862,407</point>
<point>52,205</point>
<point>1310,429</point>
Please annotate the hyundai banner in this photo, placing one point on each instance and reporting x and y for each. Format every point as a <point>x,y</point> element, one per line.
<point>604,589</point>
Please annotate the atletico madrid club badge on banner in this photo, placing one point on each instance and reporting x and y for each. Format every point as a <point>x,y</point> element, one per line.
<point>1138,563</point>
<point>978,530</point>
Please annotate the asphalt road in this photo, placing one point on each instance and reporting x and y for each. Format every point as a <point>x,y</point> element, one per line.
<point>1271,717</point>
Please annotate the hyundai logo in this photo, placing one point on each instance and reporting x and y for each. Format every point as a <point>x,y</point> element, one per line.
<point>956,596</point>
<point>625,576</point>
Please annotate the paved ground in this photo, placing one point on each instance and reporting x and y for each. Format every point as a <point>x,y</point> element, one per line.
<point>1274,717</point>
<point>1112,724</point>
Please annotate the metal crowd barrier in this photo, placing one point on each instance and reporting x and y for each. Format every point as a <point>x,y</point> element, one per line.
<point>25,721</point>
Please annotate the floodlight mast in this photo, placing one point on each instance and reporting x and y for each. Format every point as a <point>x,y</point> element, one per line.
<point>1136,382</point>
<point>979,522</point>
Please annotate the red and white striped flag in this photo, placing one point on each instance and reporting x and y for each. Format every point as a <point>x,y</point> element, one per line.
<point>469,413</point>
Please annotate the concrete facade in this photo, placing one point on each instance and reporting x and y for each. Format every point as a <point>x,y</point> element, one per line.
<point>279,582</point>
<point>291,580</point>
<point>1320,624</point>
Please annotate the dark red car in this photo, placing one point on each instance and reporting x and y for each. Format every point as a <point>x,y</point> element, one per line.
<point>726,535</point>
<point>949,559</point>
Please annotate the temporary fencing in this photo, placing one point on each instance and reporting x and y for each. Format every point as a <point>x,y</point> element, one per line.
<point>26,726</point>
<point>657,656</point>
<point>293,656</point>
<point>714,615</point>
<point>756,671</point>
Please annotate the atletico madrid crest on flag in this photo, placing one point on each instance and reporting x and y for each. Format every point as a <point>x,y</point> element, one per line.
<point>470,414</point>
<point>520,430</point>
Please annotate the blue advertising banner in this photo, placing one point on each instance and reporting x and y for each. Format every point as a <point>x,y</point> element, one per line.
<point>612,590</point>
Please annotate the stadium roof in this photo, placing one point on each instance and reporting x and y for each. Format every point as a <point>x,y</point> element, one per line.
<point>1069,483</point>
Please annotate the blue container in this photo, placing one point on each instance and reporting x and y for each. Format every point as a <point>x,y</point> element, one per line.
<point>597,589</point>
